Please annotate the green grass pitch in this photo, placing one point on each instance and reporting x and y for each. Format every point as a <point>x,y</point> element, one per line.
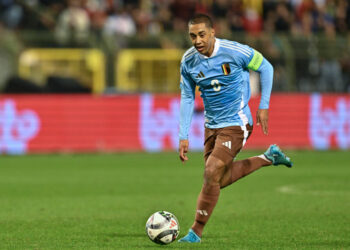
<point>102,201</point>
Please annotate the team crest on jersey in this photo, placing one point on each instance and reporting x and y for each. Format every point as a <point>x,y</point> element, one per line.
<point>226,69</point>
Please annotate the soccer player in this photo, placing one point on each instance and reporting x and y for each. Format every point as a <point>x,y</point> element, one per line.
<point>221,70</point>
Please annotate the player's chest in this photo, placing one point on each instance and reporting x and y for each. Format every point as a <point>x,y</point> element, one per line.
<point>208,70</point>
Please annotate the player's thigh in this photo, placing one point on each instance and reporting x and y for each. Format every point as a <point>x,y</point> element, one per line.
<point>209,142</point>
<point>229,142</point>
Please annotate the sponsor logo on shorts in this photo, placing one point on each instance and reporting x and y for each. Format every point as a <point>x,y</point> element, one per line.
<point>227,144</point>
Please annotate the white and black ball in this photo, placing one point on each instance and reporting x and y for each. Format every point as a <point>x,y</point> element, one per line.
<point>162,227</point>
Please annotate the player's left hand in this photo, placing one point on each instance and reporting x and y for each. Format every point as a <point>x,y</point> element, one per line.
<point>262,117</point>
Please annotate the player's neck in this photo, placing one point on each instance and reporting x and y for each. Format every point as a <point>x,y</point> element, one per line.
<point>211,50</point>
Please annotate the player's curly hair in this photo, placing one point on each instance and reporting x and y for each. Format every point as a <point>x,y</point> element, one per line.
<point>201,18</point>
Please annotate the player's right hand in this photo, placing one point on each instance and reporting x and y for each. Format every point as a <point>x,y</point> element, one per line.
<point>183,149</point>
<point>262,118</point>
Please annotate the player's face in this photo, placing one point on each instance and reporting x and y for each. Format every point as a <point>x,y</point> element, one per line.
<point>202,37</point>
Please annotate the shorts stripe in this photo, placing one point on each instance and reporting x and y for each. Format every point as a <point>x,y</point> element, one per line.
<point>241,114</point>
<point>245,134</point>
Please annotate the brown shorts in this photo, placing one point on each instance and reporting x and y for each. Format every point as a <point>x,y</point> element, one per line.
<point>225,143</point>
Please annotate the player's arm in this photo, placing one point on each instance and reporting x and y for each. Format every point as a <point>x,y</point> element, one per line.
<point>263,66</point>
<point>186,111</point>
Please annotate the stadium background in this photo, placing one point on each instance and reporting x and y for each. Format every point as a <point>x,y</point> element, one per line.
<point>121,60</point>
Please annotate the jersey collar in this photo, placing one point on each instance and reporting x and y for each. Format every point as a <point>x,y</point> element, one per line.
<point>215,51</point>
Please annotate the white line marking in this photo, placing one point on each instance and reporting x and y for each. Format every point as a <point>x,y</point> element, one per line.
<point>293,189</point>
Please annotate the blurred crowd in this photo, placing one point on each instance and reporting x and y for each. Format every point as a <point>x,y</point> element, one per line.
<point>130,17</point>
<point>318,46</point>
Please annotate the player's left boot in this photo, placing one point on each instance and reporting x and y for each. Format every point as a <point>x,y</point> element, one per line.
<point>277,157</point>
<point>191,237</point>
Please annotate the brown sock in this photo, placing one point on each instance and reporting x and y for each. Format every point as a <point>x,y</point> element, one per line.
<point>206,202</point>
<point>239,169</point>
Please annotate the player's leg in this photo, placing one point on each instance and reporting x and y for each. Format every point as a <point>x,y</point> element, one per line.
<point>239,169</point>
<point>220,149</point>
<point>209,195</point>
<point>209,144</point>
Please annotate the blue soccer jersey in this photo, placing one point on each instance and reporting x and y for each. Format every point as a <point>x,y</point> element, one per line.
<point>223,80</point>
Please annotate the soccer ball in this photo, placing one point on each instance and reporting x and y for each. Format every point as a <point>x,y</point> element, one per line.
<point>162,227</point>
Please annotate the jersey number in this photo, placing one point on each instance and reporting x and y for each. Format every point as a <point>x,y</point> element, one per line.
<point>216,85</point>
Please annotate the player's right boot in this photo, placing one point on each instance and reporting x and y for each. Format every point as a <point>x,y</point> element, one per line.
<point>191,237</point>
<point>277,157</point>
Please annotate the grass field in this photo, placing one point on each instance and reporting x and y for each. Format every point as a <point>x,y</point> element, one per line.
<point>103,201</point>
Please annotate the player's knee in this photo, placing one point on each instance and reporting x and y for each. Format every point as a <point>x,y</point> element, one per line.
<point>213,171</point>
<point>209,174</point>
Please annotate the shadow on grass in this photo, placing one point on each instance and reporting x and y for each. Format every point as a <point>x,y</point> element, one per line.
<point>125,235</point>
<point>150,245</point>
<point>216,236</point>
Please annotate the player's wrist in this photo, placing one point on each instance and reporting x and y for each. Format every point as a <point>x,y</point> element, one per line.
<point>263,107</point>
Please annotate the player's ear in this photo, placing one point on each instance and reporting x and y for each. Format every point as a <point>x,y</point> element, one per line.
<point>212,31</point>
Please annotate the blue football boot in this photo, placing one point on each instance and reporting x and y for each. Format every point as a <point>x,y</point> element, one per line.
<point>277,157</point>
<point>191,237</point>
